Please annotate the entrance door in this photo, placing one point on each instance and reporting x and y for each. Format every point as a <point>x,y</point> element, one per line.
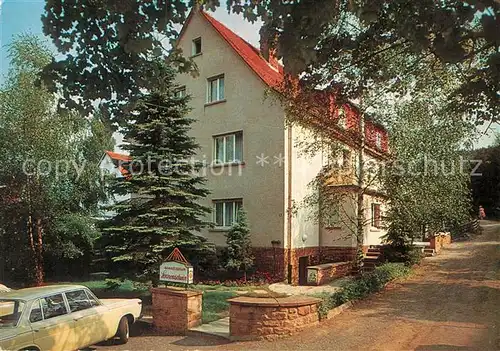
<point>303,263</point>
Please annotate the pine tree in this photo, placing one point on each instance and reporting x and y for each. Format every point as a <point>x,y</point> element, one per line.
<point>239,250</point>
<point>164,211</point>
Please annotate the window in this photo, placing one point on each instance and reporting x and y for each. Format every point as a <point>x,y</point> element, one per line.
<point>36,314</point>
<point>53,306</point>
<point>92,299</point>
<point>342,120</point>
<point>196,47</point>
<point>215,89</point>
<point>78,300</point>
<point>332,215</point>
<point>346,159</point>
<point>10,312</point>
<point>226,212</point>
<point>378,140</point>
<point>376,216</point>
<point>228,148</point>
<point>180,93</point>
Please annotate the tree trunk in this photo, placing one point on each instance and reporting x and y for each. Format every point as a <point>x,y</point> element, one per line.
<point>39,273</point>
<point>360,218</point>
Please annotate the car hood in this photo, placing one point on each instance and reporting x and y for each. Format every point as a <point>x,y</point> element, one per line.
<point>7,333</point>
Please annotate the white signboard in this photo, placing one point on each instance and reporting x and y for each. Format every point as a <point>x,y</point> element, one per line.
<point>176,272</point>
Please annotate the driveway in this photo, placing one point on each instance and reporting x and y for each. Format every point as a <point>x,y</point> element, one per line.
<point>452,302</point>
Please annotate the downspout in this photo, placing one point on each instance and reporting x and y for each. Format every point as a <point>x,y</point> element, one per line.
<point>289,205</point>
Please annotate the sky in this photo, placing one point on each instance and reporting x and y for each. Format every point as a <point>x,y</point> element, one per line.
<point>24,16</point>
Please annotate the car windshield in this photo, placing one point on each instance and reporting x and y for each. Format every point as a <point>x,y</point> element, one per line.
<point>10,312</point>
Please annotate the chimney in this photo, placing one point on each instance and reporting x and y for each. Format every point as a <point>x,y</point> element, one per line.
<point>269,54</point>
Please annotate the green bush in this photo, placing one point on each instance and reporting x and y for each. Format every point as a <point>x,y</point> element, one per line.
<point>362,286</point>
<point>404,254</point>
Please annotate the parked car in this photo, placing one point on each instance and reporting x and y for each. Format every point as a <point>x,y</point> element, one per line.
<point>62,317</point>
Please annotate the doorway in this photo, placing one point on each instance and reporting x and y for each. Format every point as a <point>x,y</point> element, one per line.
<point>303,263</point>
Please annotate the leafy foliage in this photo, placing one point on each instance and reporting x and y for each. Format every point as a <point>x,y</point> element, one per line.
<point>239,246</point>
<point>49,169</point>
<point>363,286</point>
<point>164,211</point>
<point>348,46</point>
<point>485,182</point>
<point>343,46</point>
<point>427,182</point>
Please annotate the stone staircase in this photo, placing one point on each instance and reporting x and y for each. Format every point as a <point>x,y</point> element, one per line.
<point>428,252</point>
<point>372,259</point>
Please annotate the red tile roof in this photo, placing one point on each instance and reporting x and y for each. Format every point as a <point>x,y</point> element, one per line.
<point>250,54</point>
<point>118,157</point>
<point>273,77</point>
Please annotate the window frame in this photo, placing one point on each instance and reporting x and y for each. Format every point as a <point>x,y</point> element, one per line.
<point>218,79</point>
<point>329,223</point>
<point>72,291</point>
<point>378,140</point>
<point>179,90</point>
<point>376,222</point>
<point>224,225</point>
<point>66,305</point>
<point>342,118</point>
<point>41,311</point>
<point>194,46</point>
<point>225,136</point>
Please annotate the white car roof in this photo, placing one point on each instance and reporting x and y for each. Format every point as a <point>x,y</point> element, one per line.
<point>35,293</point>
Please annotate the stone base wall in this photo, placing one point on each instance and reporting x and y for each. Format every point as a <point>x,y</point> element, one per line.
<point>325,273</point>
<point>439,241</point>
<point>337,254</point>
<point>176,311</point>
<point>271,318</point>
<point>275,261</point>
<point>272,260</point>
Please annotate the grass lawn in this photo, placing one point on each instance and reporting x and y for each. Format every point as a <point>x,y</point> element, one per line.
<point>215,305</point>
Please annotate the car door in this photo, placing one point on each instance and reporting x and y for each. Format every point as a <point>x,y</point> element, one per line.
<point>88,323</point>
<point>52,325</point>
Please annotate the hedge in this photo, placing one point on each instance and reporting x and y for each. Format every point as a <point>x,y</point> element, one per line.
<point>362,286</point>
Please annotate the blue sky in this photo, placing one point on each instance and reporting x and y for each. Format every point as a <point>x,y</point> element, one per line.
<point>23,16</point>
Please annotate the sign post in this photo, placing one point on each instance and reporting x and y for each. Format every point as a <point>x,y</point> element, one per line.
<point>176,269</point>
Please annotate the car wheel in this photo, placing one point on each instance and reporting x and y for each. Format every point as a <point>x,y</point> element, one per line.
<point>123,332</point>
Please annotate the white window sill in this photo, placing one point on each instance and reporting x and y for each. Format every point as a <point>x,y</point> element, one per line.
<point>227,164</point>
<point>214,102</point>
<point>219,229</point>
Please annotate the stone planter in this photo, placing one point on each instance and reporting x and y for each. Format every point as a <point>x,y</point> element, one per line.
<point>254,318</point>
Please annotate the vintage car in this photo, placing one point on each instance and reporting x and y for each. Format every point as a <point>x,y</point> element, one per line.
<point>62,317</point>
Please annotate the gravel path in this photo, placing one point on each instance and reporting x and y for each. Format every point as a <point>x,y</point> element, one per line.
<point>452,302</point>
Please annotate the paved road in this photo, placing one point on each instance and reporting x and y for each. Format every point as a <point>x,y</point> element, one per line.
<point>452,302</point>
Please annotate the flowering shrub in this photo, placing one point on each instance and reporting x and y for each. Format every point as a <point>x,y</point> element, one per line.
<point>258,278</point>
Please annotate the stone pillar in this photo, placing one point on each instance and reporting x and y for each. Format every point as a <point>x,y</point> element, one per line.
<point>175,311</point>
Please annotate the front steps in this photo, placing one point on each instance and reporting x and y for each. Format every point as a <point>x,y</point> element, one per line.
<point>429,252</point>
<point>371,259</point>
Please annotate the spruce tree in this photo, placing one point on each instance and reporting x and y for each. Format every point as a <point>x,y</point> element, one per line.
<point>239,247</point>
<point>164,211</point>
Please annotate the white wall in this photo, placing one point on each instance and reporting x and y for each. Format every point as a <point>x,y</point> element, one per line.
<point>305,230</point>
<point>246,109</point>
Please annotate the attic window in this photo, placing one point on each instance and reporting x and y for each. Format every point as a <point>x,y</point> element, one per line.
<point>342,121</point>
<point>378,140</point>
<point>196,47</point>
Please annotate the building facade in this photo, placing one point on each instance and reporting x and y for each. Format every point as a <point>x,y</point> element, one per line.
<point>253,159</point>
